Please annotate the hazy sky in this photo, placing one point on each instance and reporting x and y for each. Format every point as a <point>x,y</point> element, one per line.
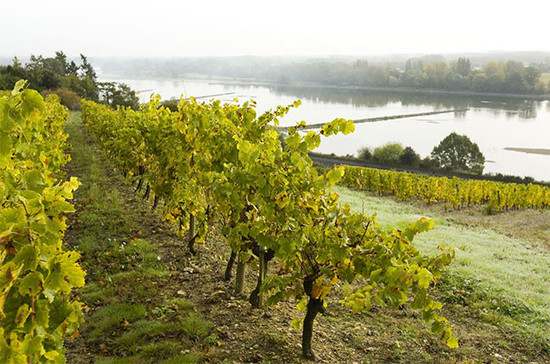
<point>158,28</point>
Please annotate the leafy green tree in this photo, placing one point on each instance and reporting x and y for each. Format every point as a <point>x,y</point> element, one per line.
<point>9,75</point>
<point>87,68</point>
<point>437,72</point>
<point>531,76</point>
<point>118,94</point>
<point>514,77</point>
<point>414,64</point>
<point>409,157</point>
<point>458,152</point>
<point>388,154</point>
<point>72,69</point>
<point>463,67</point>
<point>62,59</point>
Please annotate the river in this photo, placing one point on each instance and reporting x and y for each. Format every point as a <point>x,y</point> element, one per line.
<point>493,123</point>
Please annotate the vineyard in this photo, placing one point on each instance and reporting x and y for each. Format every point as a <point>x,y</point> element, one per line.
<point>454,192</point>
<point>232,188</point>
<point>213,162</point>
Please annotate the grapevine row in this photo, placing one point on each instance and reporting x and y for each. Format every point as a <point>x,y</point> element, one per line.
<point>454,191</point>
<point>209,161</point>
<point>36,275</point>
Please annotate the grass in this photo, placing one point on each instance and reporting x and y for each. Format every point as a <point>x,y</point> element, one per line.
<point>143,329</point>
<point>505,278</point>
<point>195,326</point>
<point>107,319</point>
<point>129,319</point>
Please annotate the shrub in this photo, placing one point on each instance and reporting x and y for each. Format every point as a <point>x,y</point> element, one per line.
<point>68,98</point>
<point>388,154</point>
<point>171,104</point>
<point>365,154</point>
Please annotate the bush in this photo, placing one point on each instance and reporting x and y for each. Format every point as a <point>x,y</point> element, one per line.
<point>68,98</point>
<point>365,154</point>
<point>388,154</point>
<point>428,163</point>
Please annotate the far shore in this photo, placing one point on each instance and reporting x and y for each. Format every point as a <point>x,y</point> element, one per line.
<point>265,83</point>
<point>541,151</point>
<point>405,90</point>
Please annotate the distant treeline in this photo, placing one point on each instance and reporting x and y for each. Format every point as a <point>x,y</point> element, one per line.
<point>477,74</point>
<point>69,80</point>
<point>459,75</point>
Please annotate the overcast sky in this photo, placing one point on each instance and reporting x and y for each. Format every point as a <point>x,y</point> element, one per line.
<point>160,28</point>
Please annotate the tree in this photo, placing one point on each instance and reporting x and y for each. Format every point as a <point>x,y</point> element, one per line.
<point>531,76</point>
<point>72,69</point>
<point>463,67</point>
<point>62,59</point>
<point>118,94</point>
<point>409,157</point>
<point>515,81</point>
<point>436,71</point>
<point>458,152</point>
<point>87,68</point>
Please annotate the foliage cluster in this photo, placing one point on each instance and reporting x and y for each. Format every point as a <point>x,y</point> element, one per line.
<point>455,153</point>
<point>36,275</point>
<point>388,154</point>
<point>494,77</point>
<point>520,74</point>
<point>69,80</point>
<point>67,98</point>
<point>459,153</point>
<point>391,154</point>
<point>133,316</point>
<point>211,161</point>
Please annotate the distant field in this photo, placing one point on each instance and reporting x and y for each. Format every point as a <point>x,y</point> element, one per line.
<point>545,78</point>
<point>507,275</point>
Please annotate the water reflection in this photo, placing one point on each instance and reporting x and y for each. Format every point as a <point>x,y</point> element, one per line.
<point>524,109</point>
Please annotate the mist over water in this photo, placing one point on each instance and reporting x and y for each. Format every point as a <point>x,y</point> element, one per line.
<point>492,123</point>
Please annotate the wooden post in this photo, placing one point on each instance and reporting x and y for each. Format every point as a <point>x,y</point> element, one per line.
<point>239,277</point>
<point>191,226</point>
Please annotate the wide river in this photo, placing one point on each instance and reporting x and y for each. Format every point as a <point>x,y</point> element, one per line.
<point>493,123</point>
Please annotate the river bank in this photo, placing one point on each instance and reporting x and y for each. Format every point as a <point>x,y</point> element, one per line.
<point>401,90</point>
<point>266,83</point>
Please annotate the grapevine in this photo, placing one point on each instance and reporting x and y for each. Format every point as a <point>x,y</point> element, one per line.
<point>454,191</point>
<point>36,275</point>
<point>224,162</point>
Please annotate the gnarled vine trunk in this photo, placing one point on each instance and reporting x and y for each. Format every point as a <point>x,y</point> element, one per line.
<point>229,268</point>
<point>314,307</point>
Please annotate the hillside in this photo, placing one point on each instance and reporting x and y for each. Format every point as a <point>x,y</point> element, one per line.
<point>150,301</point>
